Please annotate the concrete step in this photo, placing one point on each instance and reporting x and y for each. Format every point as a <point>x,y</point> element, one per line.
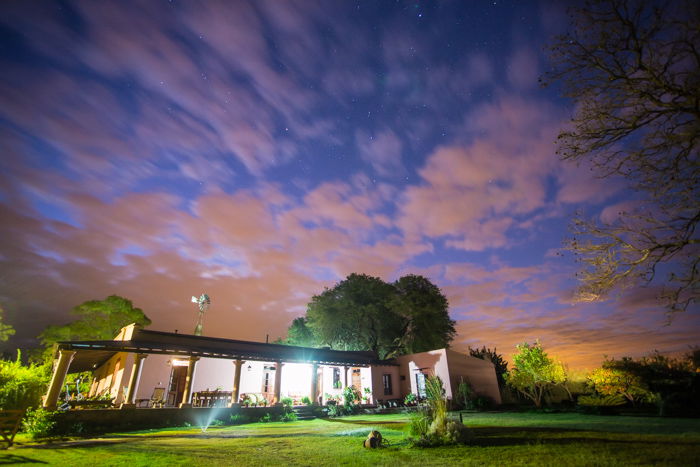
<point>305,412</point>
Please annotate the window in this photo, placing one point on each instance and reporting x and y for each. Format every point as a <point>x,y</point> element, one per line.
<point>336,377</point>
<point>386,379</point>
<point>420,384</point>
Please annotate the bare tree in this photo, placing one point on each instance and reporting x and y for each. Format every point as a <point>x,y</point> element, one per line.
<point>633,70</point>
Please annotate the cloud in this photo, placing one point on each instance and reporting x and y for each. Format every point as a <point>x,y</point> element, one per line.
<point>382,152</point>
<point>471,194</point>
<point>523,70</point>
<point>222,147</point>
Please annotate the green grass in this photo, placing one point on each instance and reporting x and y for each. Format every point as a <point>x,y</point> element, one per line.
<point>500,439</point>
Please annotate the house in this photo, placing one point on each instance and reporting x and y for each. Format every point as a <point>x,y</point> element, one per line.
<point>152,368</point>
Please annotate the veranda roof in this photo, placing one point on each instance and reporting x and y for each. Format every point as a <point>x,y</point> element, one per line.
<point>91,354</point>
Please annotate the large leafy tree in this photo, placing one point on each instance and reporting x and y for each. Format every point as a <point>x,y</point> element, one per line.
<point>534,372</point>
<point>633,69</point>
<point>365,313</point>
<point>424,313</point>
<point>355,315</point>
<point>299,333</point>
<point>97,320</point>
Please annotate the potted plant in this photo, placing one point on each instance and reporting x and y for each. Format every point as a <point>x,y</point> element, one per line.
<point>410,399</point>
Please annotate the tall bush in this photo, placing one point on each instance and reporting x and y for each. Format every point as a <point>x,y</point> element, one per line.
<point>21,386</point>
<point>431,425</point>
<point>611,381</point>
<point>534,372</point>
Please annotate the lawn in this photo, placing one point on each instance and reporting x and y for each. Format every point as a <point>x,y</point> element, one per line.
<point>500,439</point>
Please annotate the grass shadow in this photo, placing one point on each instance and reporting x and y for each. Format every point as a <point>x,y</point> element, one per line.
<point>366,422</point>
<point>520,436</point>
<point>13,459</point>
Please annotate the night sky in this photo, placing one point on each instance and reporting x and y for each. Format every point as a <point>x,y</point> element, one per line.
<point>261,151</point>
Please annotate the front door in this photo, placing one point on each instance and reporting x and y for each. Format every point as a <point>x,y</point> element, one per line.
<point>176,388</point>
<point>357,379</point>
<point>268,383</point>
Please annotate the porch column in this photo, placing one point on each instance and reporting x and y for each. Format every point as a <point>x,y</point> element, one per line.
<point>134,381</point>
<point>345,377</point>
<point>65,357</point>
<point>314,383</point>
<point>236,393</point>
<point>187,394</point>
<point>278,382</point>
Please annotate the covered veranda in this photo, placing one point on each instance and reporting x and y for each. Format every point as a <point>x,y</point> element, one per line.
<point>120,367</point>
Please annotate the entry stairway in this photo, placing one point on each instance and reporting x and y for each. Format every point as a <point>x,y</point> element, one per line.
<point>305,412</point>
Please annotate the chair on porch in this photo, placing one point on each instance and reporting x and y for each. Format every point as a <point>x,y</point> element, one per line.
<point>157,398</point>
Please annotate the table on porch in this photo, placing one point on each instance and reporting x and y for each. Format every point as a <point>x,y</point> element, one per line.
<point>211,398</point>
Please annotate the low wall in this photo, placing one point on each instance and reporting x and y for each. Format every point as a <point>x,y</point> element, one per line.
<point>114,420</point>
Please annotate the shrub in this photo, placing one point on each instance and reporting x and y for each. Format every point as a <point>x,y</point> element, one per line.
<point>595,400</point>
<point>351,396</point>
<point>306,400</point>
<point>410,399</point>
<point>600,405</point>
<point>238,419</point>
<point>266,418</point>
<point>482,403</point>
<point>287,401</point>
<point>456,433</point>
<point>335,410</point>
<point>465,394</point>
<point>39,423</point>
<point>437,403</point>
<point>22,386</point>
<point>610,381</point>
<point>430,425</point>
<point>419,424</point>
<point>367,395</point>
<point>289,417</point>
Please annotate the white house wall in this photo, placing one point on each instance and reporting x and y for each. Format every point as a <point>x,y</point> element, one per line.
<point>155,373</point>
<point>452,367</point>
<point>112,376</point>
<point>432,363</point>
<point>213,374</point>
<point>252,376</point>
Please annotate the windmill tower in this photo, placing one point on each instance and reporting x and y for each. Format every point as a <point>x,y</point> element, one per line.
<point>203,303</point>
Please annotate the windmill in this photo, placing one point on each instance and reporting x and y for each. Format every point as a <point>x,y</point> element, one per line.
<point>203,302</point>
